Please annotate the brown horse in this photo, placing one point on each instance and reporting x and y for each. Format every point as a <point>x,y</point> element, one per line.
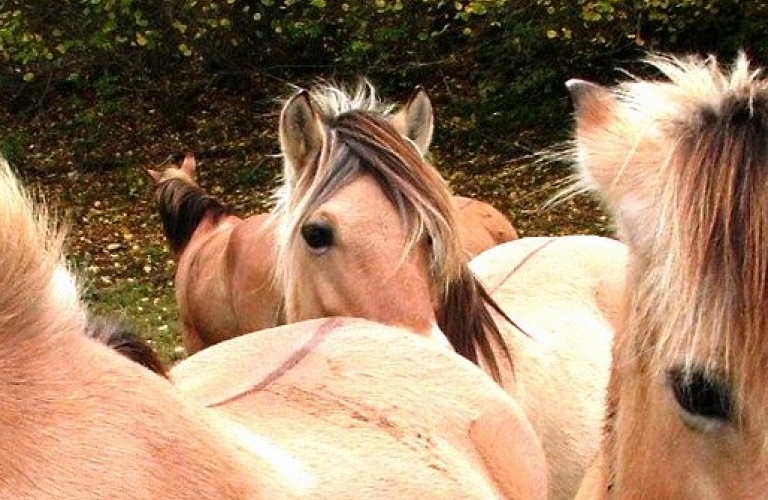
<point>80,421</point>
<point>682,163</point>
<point>367,228</point>
<point>225,264</point>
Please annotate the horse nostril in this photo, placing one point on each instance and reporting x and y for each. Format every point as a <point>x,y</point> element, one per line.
<point>318,236</point>
<point>701,394</point>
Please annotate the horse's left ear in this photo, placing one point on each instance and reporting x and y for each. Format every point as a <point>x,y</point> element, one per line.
<point>415,119</point>
<point>188,165</point>
<point>154,175</point>
<point>301,134</point>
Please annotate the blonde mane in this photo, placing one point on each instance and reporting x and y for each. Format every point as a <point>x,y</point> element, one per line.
<point>702,279</point>
<point>334,99</point>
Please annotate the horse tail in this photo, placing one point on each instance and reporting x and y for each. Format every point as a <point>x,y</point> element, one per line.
<point>120,335</point>
<point>183,205</point>
<point>31,255</point>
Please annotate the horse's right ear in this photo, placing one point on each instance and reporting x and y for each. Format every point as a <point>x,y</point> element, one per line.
<point>415,120</point>
<point>593,103</point>
<point>301,134</point>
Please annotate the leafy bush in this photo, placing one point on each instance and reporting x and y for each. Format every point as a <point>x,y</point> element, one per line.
<point>505,61</point>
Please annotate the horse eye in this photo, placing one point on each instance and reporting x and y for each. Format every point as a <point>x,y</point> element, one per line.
<point>701,395</point>
<point>317,236</point>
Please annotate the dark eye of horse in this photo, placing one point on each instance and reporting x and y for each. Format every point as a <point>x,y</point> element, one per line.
<point>317,236</point>
<point>701,395</point>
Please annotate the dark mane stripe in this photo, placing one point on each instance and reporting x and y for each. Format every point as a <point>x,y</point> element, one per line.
<point>121,336</point>
<point>182,206</point>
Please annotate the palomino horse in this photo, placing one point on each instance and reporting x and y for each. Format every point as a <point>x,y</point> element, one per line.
<point>682,163</point>
<point>225,264</point>
<point>367,228</point>
<point>365,410</point>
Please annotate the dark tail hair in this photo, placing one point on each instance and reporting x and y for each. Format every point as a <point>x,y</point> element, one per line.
<point>120,335</point>
<point>182,206</point>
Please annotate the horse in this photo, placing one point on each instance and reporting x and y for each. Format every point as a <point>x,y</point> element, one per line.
<point>223,282</point>
<point>681,162</point>
<point>225,264</point>
<point>367,228</point>
<point>78,420</point>
<point>481,226</point>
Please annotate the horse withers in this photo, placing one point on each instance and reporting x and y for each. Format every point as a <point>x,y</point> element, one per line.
<point>682,163</point>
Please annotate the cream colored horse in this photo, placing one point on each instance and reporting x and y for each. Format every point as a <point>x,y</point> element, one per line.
<point>682,162</point>
<point>351,403</point>
<point>338,408</point>
<point>225,264</point>
<point>368,228</point>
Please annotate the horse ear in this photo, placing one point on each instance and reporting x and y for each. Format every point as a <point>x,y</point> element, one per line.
<point>188,165</point>
<point>593,103</point>
<point>154,175</point>
<point>301,133</point>
<point>415,120</point>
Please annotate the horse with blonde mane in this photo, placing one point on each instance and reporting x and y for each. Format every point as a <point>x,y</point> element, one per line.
<point>80,421</point>
<point>367,228</point>
<point>225,264</point>
<point>682,163</point>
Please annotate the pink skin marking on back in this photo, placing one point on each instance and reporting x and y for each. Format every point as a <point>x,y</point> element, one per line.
<point>294,359</point>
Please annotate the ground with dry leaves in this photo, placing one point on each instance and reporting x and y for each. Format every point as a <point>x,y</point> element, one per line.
<point>88,160</point>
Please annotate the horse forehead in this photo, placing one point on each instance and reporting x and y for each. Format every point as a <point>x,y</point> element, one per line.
<point>362,198</point>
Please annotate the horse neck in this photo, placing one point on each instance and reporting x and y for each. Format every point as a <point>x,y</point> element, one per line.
<point>187,212</point>
<point>79,416</point>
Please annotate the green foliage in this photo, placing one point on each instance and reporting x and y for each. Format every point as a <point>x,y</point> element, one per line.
<point>13,146</point>
<point>508,59</point>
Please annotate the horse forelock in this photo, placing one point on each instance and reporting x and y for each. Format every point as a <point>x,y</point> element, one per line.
<point>334,100</point>
<point>362,143</point>
<point>703,281</point>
